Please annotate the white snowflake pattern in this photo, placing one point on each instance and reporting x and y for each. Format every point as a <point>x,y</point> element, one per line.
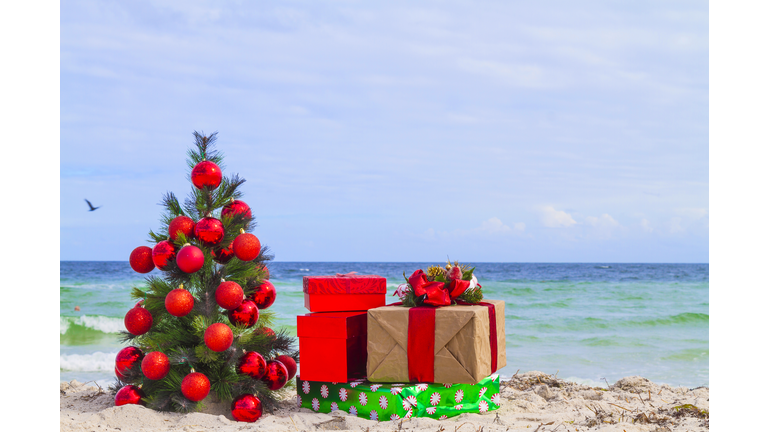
<point>421,387</point>
<point>334,383</point>
<point>298,401</point>
<point>383,402</point>
<point>443,417</point>
<point>305,387</point>
<point>374,415</point>
<point>354,384</point>
<point>324,391</point>
<point>334,406</point>
<point>409,413</point>
<point>458,407</point>
<point>447,385</point>
<point>482,391</point>
<point>343,394</point>
<point>459,396</point>
<point>493,377</point>
<point>496,399</point>
<point>483,406</point>
<point>410,401</point>
<point>363,399</point>
<point>394,417</point>
<point>353,410</point>
<point>375,387</point>
<point>315,404</point>
<point>434,398</point>
<point>395,390</point>
<point>431,410</point>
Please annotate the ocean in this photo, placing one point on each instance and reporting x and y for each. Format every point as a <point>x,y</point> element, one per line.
<point>589,323</point>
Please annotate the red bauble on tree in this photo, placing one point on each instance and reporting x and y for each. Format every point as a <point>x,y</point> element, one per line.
<point>276,376</point>
<point>246,246</point>
<point>209,231</point>
<point>229,295</point>
<point>266,331</point>
<point>206,174</point>
<point>236,207</point>
<point>182,224</point>
<point>223,255</point>
<point>289,363</point>
<point>163,253</point>
<point>138,320</point>
<point>179,302</point>
<point>155,365</point>
<point>141,259</point>
<point>263,268</point>
<point>246,408</point>
<point>218,337</point>
<point>264,295</point>
<point>252,364</point>
<point>246,314</point>
<point>129,395</point>
<point>190,258</point>
<point>126,359</point>
<point>195,386</point>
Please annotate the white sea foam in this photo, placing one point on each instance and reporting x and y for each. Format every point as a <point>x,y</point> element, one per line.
<point>97,361</point>
<point>97,322</point>
<point>587,382</point>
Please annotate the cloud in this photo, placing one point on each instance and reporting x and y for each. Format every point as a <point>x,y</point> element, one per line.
<point>492,227</point>
<point>646,225</point>
<point>605,221</point>
<point>556,218</point>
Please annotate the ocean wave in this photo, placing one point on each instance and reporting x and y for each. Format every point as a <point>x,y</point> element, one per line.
<point>97,361</point>
<point>100,323</point>
<point>683,318</point>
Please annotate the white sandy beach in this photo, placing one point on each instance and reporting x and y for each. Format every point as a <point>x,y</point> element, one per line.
<point>532,401</point>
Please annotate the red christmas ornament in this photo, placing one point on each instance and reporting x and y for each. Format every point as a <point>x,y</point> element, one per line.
<point>265,331</point>
<point>120,375</point>
<point>163,253</point>
<point>236,207</point>
<point>252,364</point>
<point>264,295</point>
<point>223,255</point>
<point>218,337</point>
<point>195,386</point>
<point>246,408</point>
<point>209,231</point>
<point>229,295</point>
<point>182,224</point>
<point>246,314</point>
<point>247,246</point>
<point>179,302</point>
<point>289,364</point>
<point>129,395</point>
<point>265,269</point>
<point>190,258</point>
<point>138,320</point>
<point>206,174</point>
<point>126,358</point>
<point>155,365</point>
<point>141,259</point>
<point>276,376</point>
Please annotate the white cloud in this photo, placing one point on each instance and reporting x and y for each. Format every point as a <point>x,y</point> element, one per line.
<point>646,225</point>
<point>605,221</point>
<point>692,213</point>
<point>491,227</point>
<point>556,218</point>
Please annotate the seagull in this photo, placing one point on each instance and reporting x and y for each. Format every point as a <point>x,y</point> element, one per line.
<point>91,206</point>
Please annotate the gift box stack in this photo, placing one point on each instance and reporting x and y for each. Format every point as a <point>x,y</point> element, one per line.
<point>390,362</point>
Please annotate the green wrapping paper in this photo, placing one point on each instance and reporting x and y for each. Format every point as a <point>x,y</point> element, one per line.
<point>383,402</point>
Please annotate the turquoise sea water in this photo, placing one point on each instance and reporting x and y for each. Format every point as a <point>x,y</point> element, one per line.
<point>586,322</point>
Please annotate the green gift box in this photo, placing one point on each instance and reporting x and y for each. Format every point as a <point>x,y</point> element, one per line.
<point>392,401</point>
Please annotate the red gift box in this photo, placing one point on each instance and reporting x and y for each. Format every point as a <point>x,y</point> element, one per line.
<point>344,292</point>
<point>333,346</point>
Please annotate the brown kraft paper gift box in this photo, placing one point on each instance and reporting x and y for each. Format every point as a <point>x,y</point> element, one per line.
<point>462,343</point>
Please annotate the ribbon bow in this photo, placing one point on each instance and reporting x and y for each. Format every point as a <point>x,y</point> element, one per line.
<point>438,293</point>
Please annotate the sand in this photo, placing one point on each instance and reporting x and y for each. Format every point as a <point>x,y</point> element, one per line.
<point>532,401</point>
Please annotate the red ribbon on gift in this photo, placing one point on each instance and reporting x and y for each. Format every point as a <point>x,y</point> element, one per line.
<point>436,292</point>
<point>421,341</point>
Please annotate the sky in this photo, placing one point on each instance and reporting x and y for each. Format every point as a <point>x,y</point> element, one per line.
<point>395,131</point>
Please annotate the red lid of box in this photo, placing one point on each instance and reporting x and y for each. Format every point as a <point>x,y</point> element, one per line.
<point>345,284</point>
<point>333,325</point>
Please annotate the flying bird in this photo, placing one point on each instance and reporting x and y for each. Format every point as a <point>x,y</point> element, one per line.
<point>91,206</point>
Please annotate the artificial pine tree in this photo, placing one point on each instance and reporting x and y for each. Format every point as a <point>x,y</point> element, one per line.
<point>202,325</point>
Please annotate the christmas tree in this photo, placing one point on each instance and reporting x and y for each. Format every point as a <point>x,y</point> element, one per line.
<point>202,327</point>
